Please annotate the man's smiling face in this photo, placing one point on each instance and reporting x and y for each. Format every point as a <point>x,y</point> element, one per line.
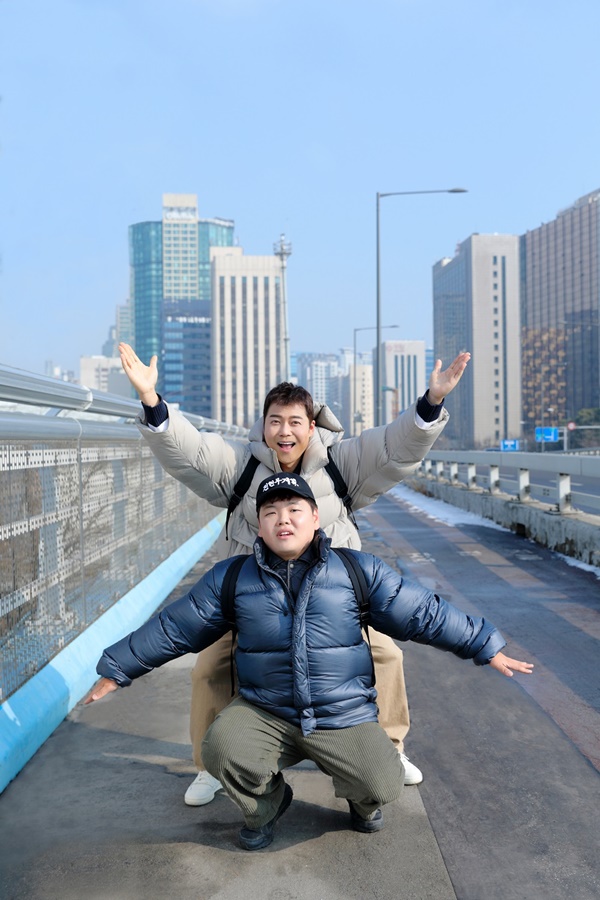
<point>287,431</point>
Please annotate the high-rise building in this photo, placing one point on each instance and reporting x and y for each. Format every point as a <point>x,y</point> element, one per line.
<point>293,368</point>
<point>120,331</point>
<point>560,299</point>
<point>124,324</point>
<point>104,373</point>
<point>332,378</point>
<point>359,394</point>
<point>171,297</point>
<point>109,347</point>
<point>318,373</point>
<point>403,376</point>
<point>346,359</point>
<point>249,333</point>
<point>55,371</point>
<point>476,308</point>
<point>429,363</point>
<point>146,290</point>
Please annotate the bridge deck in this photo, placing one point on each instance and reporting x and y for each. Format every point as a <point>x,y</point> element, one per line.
<point>510,803</point>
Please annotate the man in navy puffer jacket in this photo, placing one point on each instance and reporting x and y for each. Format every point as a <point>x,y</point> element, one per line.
<point>304,669</point>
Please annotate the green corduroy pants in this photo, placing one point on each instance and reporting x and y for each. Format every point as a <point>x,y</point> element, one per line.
<point>246,748</point>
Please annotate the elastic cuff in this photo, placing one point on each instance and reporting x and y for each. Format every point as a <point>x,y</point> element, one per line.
<point>156,415</point>
<point>426,410</point>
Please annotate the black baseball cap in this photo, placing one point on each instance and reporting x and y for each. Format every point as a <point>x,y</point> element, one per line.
<point>282,483</point>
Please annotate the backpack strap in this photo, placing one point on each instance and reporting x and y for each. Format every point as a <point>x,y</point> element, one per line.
<point>359,583</point>
<point>361,590</point>
<point>228,605</point>
<point>241,486</point>
<point>340,486</point>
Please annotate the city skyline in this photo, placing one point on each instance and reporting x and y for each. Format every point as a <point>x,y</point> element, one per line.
<point>106,106</point>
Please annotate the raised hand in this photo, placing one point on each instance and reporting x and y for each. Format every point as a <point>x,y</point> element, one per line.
<point>441,383</point>
<point>506,665</point>
<point>142,377</point>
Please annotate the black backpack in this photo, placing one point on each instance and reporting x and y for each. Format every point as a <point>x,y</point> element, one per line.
<point>245,480</point>
<point>357,578</point>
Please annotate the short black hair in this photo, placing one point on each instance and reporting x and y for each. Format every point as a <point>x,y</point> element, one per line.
<point>288,394</point>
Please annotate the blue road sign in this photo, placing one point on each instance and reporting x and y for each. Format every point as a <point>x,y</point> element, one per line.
<point>510,445</point>
<point>546,435</point>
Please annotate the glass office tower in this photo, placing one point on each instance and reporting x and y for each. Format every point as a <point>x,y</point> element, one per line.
<point>171,297</point>
<point>560,293</point>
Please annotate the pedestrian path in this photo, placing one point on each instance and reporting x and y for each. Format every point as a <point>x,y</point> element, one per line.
<point>98,814</point>
<point>509,807</point>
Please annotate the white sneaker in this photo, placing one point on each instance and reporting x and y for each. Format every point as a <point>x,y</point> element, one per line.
<point>412,775</point>
<point>202,789</point>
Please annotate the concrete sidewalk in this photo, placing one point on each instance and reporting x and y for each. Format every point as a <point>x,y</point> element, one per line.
<point>509,809</point>
<point>98,814</point>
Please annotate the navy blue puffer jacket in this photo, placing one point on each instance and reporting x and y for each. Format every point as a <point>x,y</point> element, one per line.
<point>303,660</point>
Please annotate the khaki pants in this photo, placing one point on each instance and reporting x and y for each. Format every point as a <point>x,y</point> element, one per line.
<point>211,690</point>
<point>246,748</point>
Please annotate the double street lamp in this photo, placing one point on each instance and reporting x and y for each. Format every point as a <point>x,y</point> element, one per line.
<point>378,391</point>
<point>354,403</point>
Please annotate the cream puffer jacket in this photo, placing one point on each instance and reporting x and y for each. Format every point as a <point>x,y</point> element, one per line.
<point>370,464</point>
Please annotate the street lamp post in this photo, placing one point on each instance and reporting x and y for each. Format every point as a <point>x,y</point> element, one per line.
<point>366,328</point>
<point>378,392</point>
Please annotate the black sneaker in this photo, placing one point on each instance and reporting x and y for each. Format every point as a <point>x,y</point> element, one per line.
<point>263,836</point>
<point>367,826</point>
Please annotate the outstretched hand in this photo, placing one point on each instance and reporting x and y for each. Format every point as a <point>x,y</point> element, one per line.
<point>441,383</point>
<point>101,689</point>
<point>506,665</point>
<point>142,377</point>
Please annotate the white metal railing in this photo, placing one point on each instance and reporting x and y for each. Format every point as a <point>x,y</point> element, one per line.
<point>564,481</point>
<point>60,398</point>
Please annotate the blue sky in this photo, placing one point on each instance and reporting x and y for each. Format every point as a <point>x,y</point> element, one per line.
<point>287,117</point>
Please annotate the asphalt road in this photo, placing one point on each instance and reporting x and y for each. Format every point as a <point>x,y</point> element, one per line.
<point>511,785</point>
<point>510,803</point>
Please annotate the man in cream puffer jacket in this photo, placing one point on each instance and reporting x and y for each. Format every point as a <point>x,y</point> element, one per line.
<point>293,435</point>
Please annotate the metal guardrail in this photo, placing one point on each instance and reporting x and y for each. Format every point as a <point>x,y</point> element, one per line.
<point>54,397</point>
<point>547,477</point>
<point>86,512</point>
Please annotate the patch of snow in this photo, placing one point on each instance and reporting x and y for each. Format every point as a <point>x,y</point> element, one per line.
<point>440,511</point>
<point>452,515</point>
<point>570,561</point>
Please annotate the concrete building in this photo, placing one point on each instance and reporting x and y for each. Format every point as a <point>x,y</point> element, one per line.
<point>560,294</point>
<point>476,307</point>
<point>109,347</point>
<point>403,376</point>
<point>360,396</point>
<point>249,333</point>
<point>318,373</point>
<point>55,371</point>
<point>333,378</point>
<point>104,373</point>
<point>124,324</point>
<point>120,331</point>
<point>429,363</point>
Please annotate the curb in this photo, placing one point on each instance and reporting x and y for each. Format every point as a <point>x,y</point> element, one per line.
<point>31,714</point>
